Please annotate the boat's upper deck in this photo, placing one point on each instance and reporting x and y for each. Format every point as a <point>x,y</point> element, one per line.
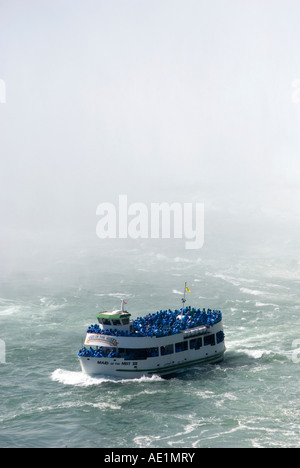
<point>168,322</point>
<point>162,323</point>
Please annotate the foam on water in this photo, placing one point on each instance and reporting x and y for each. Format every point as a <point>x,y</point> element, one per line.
<point>256,353</point>
<point>253,292</point>
<point>175,291</point>
<point>80,379</point>
<point>12,310</point>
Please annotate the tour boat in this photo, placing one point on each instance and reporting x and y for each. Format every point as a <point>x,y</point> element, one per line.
<point>161,343</point>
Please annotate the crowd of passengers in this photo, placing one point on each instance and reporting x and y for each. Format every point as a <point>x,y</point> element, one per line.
<point>164,323</point>
<point>100,352</point>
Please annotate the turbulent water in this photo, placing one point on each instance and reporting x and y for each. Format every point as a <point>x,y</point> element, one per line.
<point>251,399</point>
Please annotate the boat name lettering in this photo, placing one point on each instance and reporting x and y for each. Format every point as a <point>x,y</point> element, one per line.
<point>130,363</point>
<point>101,339</point>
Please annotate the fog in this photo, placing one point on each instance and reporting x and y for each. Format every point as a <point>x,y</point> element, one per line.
<point>168,100</point>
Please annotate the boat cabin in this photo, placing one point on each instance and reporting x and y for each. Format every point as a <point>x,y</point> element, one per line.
<point>118,320</point>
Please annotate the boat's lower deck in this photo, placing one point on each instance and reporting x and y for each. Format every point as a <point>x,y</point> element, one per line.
<point>194,354</point>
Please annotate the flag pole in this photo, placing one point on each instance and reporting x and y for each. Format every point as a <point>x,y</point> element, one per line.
<point>183,300</point>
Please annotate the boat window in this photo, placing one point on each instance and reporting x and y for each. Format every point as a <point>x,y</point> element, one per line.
<point>182,346</point>
<point>116,322</point>
<point>209,340</point>
<point>106,322</point>
<point>138,354</point>
<point>125,321</point>
<point>196,343</point>
<point>169,349</point>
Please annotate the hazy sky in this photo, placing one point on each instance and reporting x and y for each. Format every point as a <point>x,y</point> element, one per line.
<point>165,100</point>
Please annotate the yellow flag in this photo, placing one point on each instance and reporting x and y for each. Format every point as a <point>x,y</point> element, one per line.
<point>187,289</point>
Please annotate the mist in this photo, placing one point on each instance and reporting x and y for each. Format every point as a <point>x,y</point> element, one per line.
<point>164,101</point>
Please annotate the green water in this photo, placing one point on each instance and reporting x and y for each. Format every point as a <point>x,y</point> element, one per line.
<point>250,400</point>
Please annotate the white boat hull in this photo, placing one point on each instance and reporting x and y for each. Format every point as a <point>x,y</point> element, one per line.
<point>160,365</point>
<point>134,369</point>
